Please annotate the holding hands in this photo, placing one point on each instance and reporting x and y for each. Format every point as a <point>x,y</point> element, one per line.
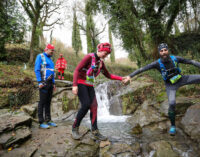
<point>126,79</point>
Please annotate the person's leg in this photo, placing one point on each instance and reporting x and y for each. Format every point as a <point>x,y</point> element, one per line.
<point>84,98</point>
<point>93,108</point>
<point>48,104</point>
<point>62,74</point>
<point>59,74</point>
<point>43,96</point>
<point>93,116</point>
<point>171,93</point>
<point>189,79</point>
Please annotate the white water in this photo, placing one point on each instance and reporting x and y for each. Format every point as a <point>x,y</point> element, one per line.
<point>104,115</point>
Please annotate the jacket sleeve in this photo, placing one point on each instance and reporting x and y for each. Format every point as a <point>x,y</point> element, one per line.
<point>152,65</point>
<point>188,61</point>
<point>38,62</point>
<point>108,75</point>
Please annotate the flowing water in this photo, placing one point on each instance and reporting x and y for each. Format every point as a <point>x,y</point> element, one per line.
<point>113,126</point>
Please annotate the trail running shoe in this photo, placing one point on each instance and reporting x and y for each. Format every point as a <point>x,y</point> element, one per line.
<point>52,124</point>
<point>75,133</point>
<point>172,130</point>
<point>44,126</point>
<point>97,135</point>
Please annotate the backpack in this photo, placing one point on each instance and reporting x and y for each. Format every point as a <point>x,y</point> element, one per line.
<point>163,69</point>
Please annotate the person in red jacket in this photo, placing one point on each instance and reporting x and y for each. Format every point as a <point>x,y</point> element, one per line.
<point>83,86</point>
<point>61,65</point>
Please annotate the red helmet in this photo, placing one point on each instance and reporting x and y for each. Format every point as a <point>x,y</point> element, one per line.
<point>104,47</point>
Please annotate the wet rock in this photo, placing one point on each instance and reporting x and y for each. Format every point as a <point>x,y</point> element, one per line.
<point>162,149</point>
<point>63,83</point>
<point>120,149</point>
<point>30,109</point>
<point>137,129</point>
<point>9,122</point>
<point>20,152</point>
<point>104,143</point>
<point>146,114</point>
<point>191,122</point>
<point>17,136</point>
<point>182,103</point>
<point>58,142</point>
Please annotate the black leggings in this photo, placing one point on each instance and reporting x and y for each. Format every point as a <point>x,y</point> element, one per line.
<point>88,101</point>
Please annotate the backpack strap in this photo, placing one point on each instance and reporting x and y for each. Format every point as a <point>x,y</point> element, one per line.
<point>175,61</point>
<point>43,66</point>
<point>163,70</point>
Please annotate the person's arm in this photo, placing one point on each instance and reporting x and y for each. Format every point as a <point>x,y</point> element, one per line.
<point>108,75</point>
<point>38,62</point>
<point>152,65</point>
<point>188,61</point>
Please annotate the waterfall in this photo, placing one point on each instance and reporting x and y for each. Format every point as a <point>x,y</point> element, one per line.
<point>104,105</point>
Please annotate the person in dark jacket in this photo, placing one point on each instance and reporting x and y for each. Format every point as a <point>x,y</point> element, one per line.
<point>167,65</point>
<point>44,71</point>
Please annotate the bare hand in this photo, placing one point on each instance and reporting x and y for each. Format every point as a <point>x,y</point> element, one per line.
<point>41,86</point>
<point>54,87</point>
<point>75,90</point>
<point>126,79</point>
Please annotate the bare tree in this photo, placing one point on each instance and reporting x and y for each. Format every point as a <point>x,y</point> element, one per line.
<point>39,13</point>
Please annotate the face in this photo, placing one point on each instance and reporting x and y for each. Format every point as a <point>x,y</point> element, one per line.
<point>164,53</point>
<point>50,52</point>
<point>103,54</point>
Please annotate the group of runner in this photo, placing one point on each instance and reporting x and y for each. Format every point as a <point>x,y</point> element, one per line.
<point>84,78</point>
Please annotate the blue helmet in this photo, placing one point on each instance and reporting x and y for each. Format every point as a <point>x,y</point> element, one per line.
<point>161,46</point>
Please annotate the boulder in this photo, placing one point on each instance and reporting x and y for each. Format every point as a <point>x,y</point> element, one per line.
<point>63,83</point>
<point>17,136</point>
<point>146,114</point>
<point>162,149</point>
<point>30,109</point>
<point>121,149</point>
<point>191,122</point>
<point>10,122</point>
<point>182,103</point>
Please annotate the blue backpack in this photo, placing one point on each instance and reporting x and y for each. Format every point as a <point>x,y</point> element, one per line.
<point>164,73</point>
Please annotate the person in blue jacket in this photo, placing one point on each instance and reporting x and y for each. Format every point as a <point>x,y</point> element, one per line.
<point>167,65</point>
<point>44,71</point>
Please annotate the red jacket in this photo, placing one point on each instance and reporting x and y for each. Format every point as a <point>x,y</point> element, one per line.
<point>80,71</point>
<point>61,63</point>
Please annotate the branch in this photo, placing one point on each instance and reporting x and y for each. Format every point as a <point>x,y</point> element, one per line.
<point>162,5</point>
<point>173,16</point>
<point>82,27</point>
<point>32,7</point>
<point>101,31</point>
<point>30,14</point>
<point>55,22</point>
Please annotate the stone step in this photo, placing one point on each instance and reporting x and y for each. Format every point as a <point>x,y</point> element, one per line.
<point>17,136</point>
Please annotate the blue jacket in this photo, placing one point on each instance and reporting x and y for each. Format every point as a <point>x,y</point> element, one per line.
<point>48,67</point>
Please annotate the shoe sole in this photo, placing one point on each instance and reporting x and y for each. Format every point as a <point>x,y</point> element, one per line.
<point>44,128</point>
<point>97,138</point>
<point>78,138</point>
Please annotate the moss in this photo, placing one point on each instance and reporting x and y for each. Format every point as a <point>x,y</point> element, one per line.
<point>69,104</point>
